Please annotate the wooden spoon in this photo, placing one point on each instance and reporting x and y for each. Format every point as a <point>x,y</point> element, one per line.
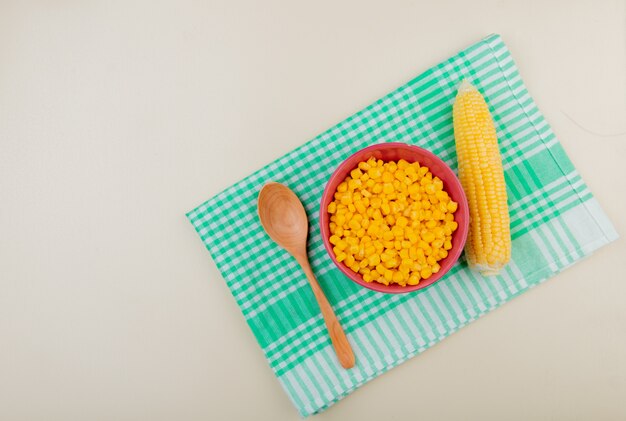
<point>284,219</point>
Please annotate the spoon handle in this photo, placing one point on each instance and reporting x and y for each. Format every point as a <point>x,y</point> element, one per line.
<point>337,335</point>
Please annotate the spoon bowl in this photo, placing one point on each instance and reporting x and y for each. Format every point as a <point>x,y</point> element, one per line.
<point>283,217</point>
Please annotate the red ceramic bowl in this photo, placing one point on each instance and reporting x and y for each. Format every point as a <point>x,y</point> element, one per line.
<point>410,153</point>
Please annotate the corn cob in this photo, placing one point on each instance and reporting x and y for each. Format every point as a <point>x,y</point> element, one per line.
<point>488,247</point>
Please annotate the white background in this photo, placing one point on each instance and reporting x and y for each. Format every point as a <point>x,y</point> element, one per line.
<point>117,117</point>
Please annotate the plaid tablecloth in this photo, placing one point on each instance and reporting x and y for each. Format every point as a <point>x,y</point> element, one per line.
<point>555,222</point>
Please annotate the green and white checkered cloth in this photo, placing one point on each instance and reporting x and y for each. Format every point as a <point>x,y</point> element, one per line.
<point>555,221</point>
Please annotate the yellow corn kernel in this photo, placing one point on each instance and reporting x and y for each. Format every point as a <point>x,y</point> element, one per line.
<point>374,173</point>
<point>388,274</point>
<point>341,256</point>
<point>488,247</point>
<point>442,196</point>
<point>437,183</point>
<point>426,273</point>
<point>354,184</point>
<point>388,188</point>
<point>414,279</point>
<point>334,239</point>
<point>412,237</point>
<point>399,277</point>
<point>361,253</point>
<point>453,225</point>
<point>404,268</point>
<point>388,236</point>
<point>427,236</point>
<point>356,173</point>
<point>391,263</point>
<point>332,207</point>
<point>367,277</point>
<point>402,222</point>
<point>373,259</point>
<point>380,268</point>
<point>403,164</point>
<point>447,245</point>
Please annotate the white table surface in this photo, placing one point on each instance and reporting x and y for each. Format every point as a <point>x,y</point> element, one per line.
<point>118,117</point>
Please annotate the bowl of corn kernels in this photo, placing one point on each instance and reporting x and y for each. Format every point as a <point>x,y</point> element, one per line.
<point>394,218</point>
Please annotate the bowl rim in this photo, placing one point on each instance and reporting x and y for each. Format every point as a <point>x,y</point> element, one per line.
<point>462,230</point>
